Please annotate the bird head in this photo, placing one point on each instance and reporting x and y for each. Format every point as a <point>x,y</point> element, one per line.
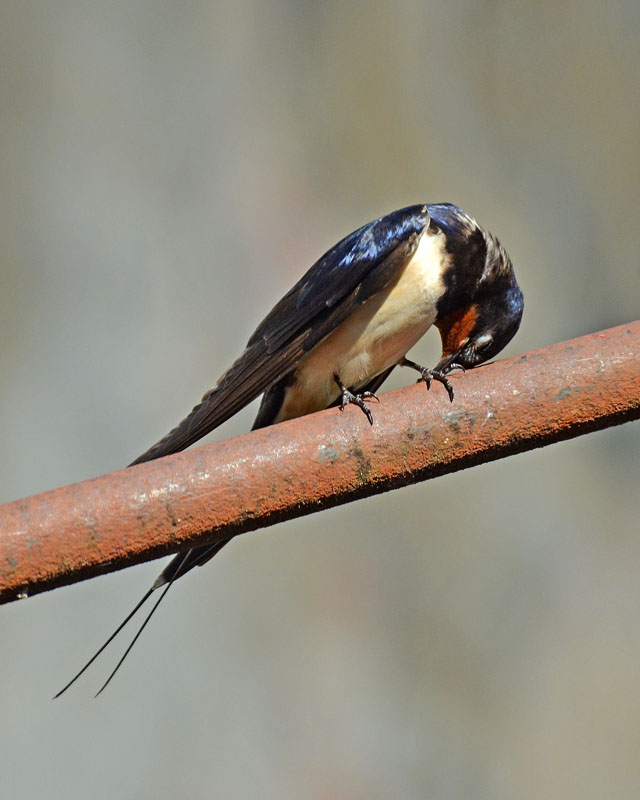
<point>487,315</point>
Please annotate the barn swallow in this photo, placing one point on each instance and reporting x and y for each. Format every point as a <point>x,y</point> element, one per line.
<point>350,320</point>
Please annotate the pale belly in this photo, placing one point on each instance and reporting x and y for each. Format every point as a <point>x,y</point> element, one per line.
<point>377,336</point>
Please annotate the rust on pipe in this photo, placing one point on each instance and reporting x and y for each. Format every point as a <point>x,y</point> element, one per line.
<point>305,465</point>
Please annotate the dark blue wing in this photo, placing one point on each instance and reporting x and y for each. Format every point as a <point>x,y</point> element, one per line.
<point>346,276</point>
<point>340,270</point>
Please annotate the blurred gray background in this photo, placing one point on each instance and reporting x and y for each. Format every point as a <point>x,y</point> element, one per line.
<point>168,171</point>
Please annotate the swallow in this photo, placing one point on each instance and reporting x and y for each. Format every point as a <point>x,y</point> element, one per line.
<point>335,337</point>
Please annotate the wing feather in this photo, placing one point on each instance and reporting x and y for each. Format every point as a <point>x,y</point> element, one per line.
<point>345,277</point>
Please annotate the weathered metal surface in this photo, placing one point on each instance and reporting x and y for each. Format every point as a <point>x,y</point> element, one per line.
<point>309,464</point>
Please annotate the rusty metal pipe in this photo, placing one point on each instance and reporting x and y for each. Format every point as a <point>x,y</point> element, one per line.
<point>288,470</point>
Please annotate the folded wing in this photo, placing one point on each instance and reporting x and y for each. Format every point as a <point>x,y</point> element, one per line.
<point>345,277</point>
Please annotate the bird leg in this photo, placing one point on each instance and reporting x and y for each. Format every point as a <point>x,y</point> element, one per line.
<point>357,399</point>
<point>430,375</point>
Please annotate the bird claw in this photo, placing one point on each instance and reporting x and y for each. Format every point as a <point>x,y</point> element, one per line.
<point>369,396</point>
<point>349,398</point>
<point>430,375</point>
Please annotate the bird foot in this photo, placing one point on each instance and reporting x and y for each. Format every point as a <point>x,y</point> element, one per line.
<point>430,375</point>
<point>349,398</point>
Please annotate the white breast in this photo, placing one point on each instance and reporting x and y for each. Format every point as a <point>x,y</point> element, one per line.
<point>376,336</point>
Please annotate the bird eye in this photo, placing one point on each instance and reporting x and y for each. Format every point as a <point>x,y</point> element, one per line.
<point>482,341</point>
